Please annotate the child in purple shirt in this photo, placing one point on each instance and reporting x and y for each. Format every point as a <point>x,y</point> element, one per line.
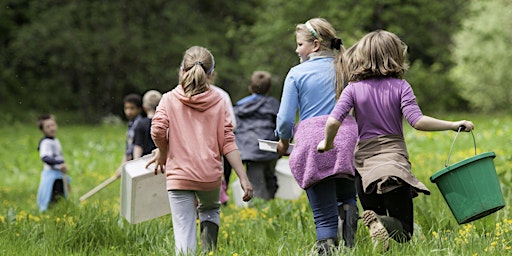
<point>374,68</point>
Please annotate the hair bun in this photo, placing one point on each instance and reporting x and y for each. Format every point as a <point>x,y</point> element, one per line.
<point>336,43</point>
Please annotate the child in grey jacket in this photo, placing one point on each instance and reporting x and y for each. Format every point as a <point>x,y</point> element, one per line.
<point>256,119</point>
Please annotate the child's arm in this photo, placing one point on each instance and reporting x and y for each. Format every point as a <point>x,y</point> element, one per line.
<point>282,146</point>
<point>233,158</point>
<point>331,129</point>
<point>119,169</point>
<point>46,155</point>
<point>427,123</point>
<point>137,151</point>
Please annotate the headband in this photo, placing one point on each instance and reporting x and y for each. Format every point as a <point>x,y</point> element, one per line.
<point>313,31</point>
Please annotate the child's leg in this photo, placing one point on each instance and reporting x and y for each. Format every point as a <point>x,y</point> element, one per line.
<point>270,178</point>
<point>227,171</point>
<point>397,203</point>
<point>183,211</point>
<point>322,198</point>
<point>57,191</point>
<point>373,202</point>
<point>256,175</point>
<point>347,210</point>
<point>209,216</point>
<point>224,198</point>
<point>400,207</point>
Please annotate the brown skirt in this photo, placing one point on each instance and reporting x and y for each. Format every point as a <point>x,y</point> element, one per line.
<point>383,163</point>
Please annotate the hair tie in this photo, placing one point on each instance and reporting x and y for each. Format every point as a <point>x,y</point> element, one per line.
<point>212,67</point>
<point>313,31</point>
<point>336,43</point>
<point>209,71</point>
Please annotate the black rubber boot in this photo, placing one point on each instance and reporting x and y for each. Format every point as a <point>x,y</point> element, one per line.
<point>395,229</point>
<point>326,246</point>
<point>209,234</point>
<point>347,223</point>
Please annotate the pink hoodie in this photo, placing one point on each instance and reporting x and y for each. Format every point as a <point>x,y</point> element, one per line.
<point>198,131</point>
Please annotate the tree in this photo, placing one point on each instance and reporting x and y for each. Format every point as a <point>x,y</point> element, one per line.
<point>84,56</point>
<point>426,26</point>
<point>483,57</point>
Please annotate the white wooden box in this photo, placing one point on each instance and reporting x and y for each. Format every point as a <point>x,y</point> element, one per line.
<point>269,145</point>
<point>288,188</point>
<point>143,194</point>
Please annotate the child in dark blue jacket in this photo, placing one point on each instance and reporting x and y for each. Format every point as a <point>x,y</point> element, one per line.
<point>256,119</point>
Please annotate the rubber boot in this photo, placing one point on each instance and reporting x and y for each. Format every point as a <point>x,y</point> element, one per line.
<point>347,224</point>
<point>384,227</point>
<point>395,229</point>
<point>326,246</point>
<point>378,233</point>
<point>209,234</point>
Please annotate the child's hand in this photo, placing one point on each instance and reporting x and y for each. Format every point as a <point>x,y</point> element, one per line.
<point>63,168</point>
<point>160,161</point>
<point>248,191</point>
<point>282,147</point>
<point>468,126</point>
<point>322,146</point>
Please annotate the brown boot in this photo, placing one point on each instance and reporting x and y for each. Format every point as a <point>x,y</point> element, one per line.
<point>378,232</point>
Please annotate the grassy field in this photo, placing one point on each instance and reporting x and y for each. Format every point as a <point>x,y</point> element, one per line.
<point>280,227</point>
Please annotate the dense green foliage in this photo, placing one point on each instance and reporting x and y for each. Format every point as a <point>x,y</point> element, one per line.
<point>84,56</point>
<point>280,227</point>
<point>483,57</point>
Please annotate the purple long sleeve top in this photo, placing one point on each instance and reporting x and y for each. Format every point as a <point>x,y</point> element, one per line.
<point>379,105</point>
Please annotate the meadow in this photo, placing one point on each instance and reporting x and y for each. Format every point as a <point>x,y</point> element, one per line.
<point>279,227</point>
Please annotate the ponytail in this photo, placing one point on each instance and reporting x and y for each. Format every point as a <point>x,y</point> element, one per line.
<point>197,66</point>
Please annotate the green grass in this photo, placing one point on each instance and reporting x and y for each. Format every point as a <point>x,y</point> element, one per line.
<point>279,227</point>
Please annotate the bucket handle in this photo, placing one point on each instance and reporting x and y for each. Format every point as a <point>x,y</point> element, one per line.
<point>451,148</point>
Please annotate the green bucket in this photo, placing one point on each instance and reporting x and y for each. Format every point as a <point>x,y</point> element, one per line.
<point>470,187</point>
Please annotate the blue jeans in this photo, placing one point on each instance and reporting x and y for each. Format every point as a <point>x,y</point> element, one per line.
<point>325,197</point>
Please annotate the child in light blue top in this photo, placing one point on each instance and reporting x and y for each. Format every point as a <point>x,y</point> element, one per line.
<point>310,88</point>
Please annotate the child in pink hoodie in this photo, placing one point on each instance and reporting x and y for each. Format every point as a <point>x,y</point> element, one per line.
<point>192,129</point>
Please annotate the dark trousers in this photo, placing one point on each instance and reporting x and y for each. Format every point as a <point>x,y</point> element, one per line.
<point>227,171</point>
<point>396,203</point>
<point>57,191</point>
<point>262,176</point>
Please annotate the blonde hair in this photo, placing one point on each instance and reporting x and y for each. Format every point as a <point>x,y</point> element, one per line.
<point>151,99</point>
<point>197,70</point>
<point>320,29</point>
<point>378,54</point>
<point>260,82</point>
